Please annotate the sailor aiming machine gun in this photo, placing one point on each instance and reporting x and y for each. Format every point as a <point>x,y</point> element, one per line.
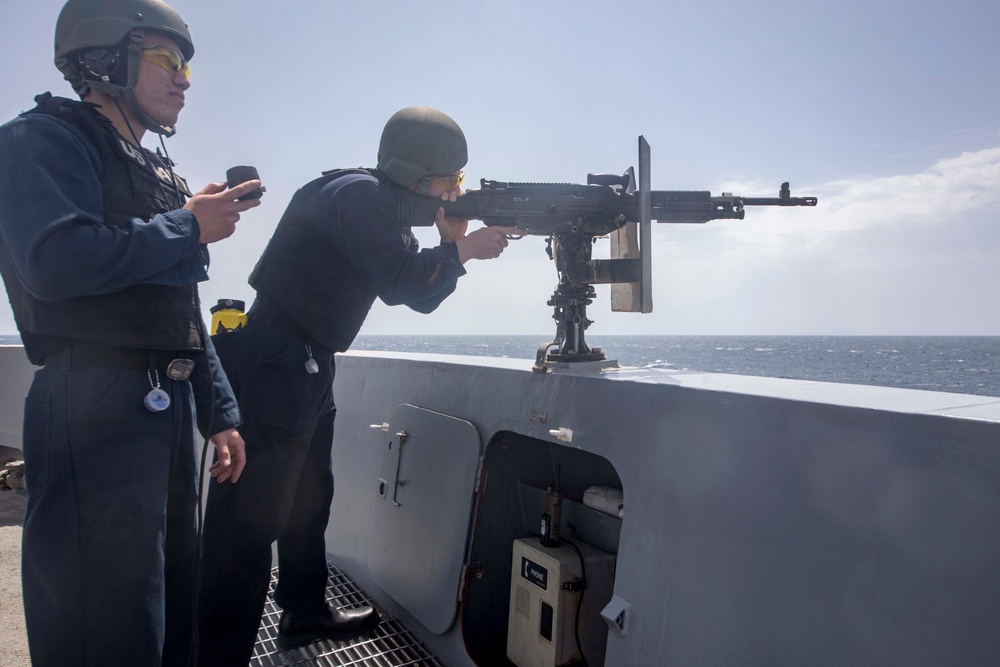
<point>572,216</point>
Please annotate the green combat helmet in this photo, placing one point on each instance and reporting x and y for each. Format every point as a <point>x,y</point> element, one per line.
<point>97,46</point>
<point>418,142</point>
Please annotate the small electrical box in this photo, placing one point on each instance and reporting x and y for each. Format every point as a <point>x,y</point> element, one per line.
<point>545,592</point>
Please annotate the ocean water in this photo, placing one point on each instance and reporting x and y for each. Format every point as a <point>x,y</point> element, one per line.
<point>960,364</point>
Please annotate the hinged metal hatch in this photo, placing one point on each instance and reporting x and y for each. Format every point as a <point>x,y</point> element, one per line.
<point>425,493</point>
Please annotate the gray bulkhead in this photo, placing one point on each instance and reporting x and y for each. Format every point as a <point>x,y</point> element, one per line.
<point>766,521</point>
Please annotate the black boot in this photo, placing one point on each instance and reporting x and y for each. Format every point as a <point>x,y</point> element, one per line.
<point>337,624</point>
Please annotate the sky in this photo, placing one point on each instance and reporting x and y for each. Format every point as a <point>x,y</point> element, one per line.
<point>888,111</point>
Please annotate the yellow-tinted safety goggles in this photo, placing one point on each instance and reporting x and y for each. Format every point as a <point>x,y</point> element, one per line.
<point>165,58</point>
<point>446,181</point>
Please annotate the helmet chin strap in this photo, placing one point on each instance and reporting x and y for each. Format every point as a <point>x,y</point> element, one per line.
<point>134,56</point>
<point>127,91</point>
<point>129,94</point>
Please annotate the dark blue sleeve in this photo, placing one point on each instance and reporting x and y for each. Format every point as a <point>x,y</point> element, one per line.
<point>365,228</point>
<point>51,220</point>
<point>212,392</point>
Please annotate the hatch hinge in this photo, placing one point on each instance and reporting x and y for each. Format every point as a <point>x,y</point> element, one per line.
<point>461,582</point>
<point>479,474</point>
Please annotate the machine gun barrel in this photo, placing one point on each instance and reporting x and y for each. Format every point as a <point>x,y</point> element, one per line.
<point>701,206</point>
<point>596,209</point>
<point>784,198</point>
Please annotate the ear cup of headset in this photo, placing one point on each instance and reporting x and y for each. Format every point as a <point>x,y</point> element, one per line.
<point>100,63</point>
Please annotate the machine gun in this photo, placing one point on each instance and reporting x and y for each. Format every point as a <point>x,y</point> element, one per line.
<point>572,216</point>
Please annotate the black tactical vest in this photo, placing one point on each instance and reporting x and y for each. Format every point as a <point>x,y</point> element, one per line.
<point>159,317</point>
<point>299,273</point>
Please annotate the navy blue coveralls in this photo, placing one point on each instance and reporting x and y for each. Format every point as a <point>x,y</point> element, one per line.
<point>337,248</point>
<point>109,540</point>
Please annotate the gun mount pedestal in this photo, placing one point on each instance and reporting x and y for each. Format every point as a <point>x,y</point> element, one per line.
<point>571,252</point>
<point>570,304</point>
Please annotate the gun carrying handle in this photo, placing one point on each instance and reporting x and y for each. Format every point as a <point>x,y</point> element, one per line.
<point>625,181</point>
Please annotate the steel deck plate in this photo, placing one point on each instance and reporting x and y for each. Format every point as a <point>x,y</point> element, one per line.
<point>390,645</point>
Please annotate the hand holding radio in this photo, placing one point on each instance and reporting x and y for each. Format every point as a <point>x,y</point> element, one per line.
<point>241,174</point>
<point>217,206</point>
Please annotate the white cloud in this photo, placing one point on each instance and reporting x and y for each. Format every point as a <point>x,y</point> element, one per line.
<point>954,187</point>
<point>903,254</point>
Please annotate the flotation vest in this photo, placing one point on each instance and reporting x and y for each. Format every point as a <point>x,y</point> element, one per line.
<point>146,316</point>
<point>329,309</point>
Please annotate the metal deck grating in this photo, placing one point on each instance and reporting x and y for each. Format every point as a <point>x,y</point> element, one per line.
<point>391,645</point>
